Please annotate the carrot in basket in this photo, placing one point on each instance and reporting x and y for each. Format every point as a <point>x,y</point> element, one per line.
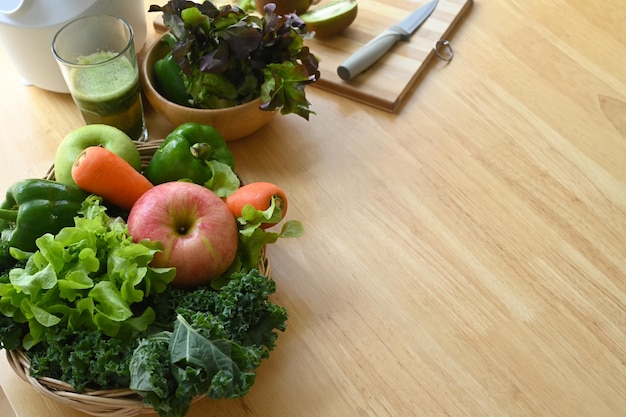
<point>102,172</point>
<point>259,195</point>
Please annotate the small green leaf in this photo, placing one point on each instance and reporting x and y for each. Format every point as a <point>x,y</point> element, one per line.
<point>32,284</point>
<point>157,279</point>
<point>292,229</point>
<point>223,180</point>
<point>43,317</point>
<point>106,325</point>
<point>70,287</point>
<point>109,301</point>
<point>88,260</point>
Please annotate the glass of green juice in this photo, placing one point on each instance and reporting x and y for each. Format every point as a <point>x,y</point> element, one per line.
<point>96,55</point>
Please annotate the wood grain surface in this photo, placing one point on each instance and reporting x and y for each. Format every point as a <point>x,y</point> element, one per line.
<point>463,257</point>
<point>5,407</point>
<point>386,83</point>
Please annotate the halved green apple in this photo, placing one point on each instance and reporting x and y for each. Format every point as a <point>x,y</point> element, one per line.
<point>330,18</point>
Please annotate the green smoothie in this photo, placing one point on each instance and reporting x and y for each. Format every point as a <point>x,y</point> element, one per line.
<point>109,93</point>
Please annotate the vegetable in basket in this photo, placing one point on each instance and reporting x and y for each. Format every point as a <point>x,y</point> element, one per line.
<point>197,153</point>
<point>88,276</point>
<point>104,173</point>
<point>214,342</point>
<point>34,207</point>
<point>266,198</point>
<point>202,342</point>
<point>7,261</point>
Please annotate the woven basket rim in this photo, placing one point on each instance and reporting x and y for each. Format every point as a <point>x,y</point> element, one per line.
<point>100,403</point>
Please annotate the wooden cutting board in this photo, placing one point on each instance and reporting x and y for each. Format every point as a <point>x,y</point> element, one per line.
<point>387,82</point>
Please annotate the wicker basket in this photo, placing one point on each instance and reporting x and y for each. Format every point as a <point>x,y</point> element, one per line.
<point>116,402</point>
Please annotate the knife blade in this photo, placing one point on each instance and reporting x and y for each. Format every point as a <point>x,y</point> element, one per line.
<point>377,47</point>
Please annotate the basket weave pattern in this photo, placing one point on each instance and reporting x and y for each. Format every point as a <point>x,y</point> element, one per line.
<point>104,403</point>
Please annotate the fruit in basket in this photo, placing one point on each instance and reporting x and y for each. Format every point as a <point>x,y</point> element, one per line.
<point>330,18</point>
<point>197,230</point>
<point>83,137</point>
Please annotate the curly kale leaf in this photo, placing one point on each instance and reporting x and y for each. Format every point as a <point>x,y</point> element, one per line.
<point>11,332</point>
<point>216,341</point>
<point>6,260</point>
<point>152,376</point>
<point>248,316</point>
<point>83,359</point>
<point>242,307</point>
<point>171,369</point>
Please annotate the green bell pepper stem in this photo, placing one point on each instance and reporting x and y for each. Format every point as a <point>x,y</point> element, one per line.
<point>34,207</point>
<point>185,152</point>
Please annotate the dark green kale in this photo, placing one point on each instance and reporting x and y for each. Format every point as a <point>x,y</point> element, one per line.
<point>241,307</point>
<point>248,317</point>
<point>6,260</point>
<point>11,332</point>
<point>154,379</point>
<point>215,342</point>
<point>203,342</point>
<point>83,359</point>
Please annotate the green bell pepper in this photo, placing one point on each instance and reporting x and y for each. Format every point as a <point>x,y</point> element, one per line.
<point>34,207</point>
<point>169,80</point>
<point>185,154</point>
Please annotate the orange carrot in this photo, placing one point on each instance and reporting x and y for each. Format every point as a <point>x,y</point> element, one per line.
<point>259,195</point>
<point>102,172</point>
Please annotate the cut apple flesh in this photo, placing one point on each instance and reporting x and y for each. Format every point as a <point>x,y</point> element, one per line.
<point>331,18</point>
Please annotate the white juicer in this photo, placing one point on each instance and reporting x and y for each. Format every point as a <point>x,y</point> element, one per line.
<point>28,26</point>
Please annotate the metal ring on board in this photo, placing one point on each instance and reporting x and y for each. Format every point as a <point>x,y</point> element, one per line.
<point>444,51</point>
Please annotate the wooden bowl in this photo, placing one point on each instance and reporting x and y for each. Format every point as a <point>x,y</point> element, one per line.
<point>232,122</point>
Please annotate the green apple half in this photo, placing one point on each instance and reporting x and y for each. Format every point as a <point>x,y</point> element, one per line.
<point>80,139</point>
<point>330,18</point>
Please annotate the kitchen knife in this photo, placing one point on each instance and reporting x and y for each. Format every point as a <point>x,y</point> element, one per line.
<point>377,47</point>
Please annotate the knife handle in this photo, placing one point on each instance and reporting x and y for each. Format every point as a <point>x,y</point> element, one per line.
<point>368,54</point>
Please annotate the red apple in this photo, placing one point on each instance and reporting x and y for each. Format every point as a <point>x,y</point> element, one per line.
<point>198,231</point>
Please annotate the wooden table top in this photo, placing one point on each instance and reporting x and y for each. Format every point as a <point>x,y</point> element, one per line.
<point>464,256</point>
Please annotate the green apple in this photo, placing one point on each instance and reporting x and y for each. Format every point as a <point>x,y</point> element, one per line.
<point>80,139</point>
<point>330,18</point>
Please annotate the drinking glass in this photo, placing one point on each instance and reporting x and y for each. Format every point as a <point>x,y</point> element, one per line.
<point>97,58</point>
